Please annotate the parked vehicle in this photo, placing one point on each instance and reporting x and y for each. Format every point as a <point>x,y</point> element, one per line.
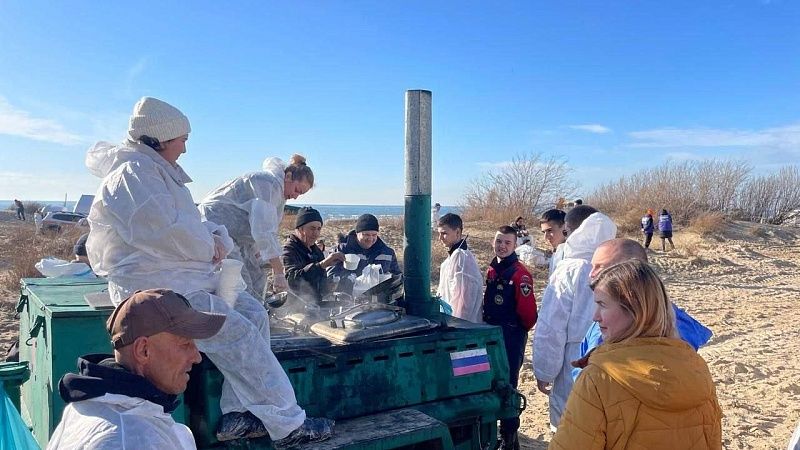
<point>57,221</point>
<point>54,218</point>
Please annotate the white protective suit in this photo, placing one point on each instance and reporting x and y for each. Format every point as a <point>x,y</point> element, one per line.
<point>147,233</point>
<point>558,255</point>
<point>251,208</point>
<point>461,285</point>
<point>567,310</point>
<point>119,422</point>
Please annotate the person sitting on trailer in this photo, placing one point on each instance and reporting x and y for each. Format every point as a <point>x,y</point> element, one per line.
<point>365,242</point>
<point>509,302</point>
<point>304,262</point>
<point>125,400</point>
<point>147,233</point>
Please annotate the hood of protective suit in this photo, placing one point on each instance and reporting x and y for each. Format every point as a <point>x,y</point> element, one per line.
<point>101,374</point>
<point>595,230</point>
<point>275,166</point>
<point>104,157</point>
<point>663,373</point>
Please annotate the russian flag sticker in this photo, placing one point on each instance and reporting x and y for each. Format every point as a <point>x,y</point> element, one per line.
<point>469,361</point>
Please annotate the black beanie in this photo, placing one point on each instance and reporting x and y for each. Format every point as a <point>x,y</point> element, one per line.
<point>305,215</point>
<point>80,245</point>
<point>367,222</point>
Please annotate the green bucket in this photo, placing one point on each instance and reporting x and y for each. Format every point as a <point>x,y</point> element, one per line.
<point>12,375</point>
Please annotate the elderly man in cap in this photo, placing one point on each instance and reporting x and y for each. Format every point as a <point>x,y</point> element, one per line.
<point>303,261</point>
<point>124,400</point>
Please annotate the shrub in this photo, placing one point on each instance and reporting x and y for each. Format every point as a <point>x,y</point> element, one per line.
<point>707,223</point>
<point>527,185</point>
<point>32,247</point>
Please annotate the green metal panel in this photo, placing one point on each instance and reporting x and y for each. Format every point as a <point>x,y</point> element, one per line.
<point>68,328</point>
<point>343,382</point>
<point>417,256</point>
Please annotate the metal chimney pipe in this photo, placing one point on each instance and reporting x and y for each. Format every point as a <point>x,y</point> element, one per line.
<point>417,241</point>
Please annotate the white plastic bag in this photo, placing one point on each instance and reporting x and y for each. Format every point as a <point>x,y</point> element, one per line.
<point>53,267</point>
<point>370,277</point>
<point>530,256</point>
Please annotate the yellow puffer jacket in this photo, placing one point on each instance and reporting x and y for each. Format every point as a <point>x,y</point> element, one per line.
<point>643,394</point>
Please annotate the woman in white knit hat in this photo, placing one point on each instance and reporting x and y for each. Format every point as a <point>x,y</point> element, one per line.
<point>146,232</point>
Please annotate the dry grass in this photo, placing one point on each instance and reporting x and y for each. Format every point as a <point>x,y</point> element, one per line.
<point>491,214</point>
<point>629,223</point>
<point>30,248</point>
<point>707,223</point>
<point>759,232</point>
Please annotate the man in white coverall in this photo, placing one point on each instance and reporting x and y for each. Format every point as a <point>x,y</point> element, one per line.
<point>125,400</point>
<point>567,307</point>
<point>251,208</point>
<point>460,278</point>
<point>552,225</point>
<point>146,232</point>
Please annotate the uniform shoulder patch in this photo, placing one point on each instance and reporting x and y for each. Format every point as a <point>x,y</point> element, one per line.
<point>526,285</point>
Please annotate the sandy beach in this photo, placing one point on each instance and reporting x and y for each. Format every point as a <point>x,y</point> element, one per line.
<point>744,284</point>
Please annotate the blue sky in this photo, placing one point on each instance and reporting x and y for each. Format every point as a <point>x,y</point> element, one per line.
<point>611,86</point>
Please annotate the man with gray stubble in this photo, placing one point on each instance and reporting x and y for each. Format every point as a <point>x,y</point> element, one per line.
<point>125,400</point>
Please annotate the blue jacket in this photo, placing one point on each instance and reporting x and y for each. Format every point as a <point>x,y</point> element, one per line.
<point>379,253</point>
<point>691,331</point>
<point>665,222</point>
<point>647,224</point>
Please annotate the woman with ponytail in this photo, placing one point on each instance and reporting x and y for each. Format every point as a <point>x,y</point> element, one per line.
<point>251,208</point>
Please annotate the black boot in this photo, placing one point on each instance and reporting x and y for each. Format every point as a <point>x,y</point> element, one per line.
<point>312,430</point>
<point>240,425</point>
<point>509,441</point>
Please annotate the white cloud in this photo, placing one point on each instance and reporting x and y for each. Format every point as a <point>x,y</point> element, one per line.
<point>683,156</point>
<point>131,75</point>
<point>776,137</point>
<point>591,128</point>
<point>16,122</point>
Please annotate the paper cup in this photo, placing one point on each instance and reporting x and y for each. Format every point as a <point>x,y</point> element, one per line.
<point>351,261</point>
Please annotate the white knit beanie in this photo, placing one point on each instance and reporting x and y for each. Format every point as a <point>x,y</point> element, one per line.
<point>157,119</point>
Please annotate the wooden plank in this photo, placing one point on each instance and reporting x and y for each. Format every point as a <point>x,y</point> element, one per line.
<point>376,427</point>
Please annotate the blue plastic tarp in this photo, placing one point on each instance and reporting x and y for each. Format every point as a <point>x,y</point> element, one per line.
<point>14,434</point>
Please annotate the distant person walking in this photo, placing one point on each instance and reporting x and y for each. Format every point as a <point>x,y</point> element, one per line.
<point>435,218</point>
<point>665,230</point>
<point>20,209</point>
<point>648,227</point>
